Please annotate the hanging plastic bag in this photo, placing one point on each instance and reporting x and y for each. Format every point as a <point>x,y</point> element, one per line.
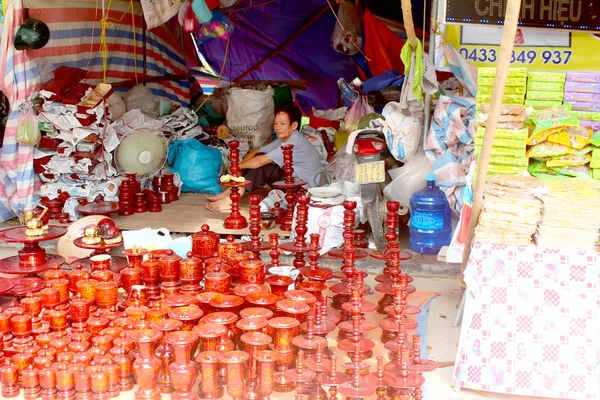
<point>356,112</point>
<point>219,27</point>
<point>409,179</point>
<point>202,11</point>
<point>346,40</point>
<point>28,130</point>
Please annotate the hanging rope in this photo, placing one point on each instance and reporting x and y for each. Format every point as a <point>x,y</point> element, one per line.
<point>220,73</point>
<point>107,22</point>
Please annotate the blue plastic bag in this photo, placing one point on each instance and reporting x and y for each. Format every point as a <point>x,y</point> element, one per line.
<point>197,165</point>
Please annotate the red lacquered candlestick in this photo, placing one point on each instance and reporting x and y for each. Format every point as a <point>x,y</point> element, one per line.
<point>235,220</point>
<point>275,253</point>
<point>255,245</point>
<point>391,235</point>
<point>290,185</point>
<point>348,249</point>
<point>314,272</point>
<point>299,246</point>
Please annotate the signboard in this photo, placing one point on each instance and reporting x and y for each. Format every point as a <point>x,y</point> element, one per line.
<point>536,49</point>
<point>581,15</point>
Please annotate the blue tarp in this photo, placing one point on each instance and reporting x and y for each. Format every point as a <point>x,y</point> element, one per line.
<point>310,57</point>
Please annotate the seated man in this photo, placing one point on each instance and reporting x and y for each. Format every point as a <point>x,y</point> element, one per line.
<point>264,166</point>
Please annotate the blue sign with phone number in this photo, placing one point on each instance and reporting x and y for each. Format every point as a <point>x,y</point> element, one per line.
<point>482,54</point>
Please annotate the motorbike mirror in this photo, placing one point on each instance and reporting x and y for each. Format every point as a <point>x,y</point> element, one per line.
<point>32,35</point>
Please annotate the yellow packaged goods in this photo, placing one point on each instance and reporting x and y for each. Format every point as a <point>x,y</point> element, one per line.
<point>541,104</point>
<point>522,133</point>
<point>541,85</point>
<point>505,169</point>
<point>596,153</point>
<point>509,160</point>
<point>574,171</point>
<point>504,151</point>
<point>584,115</point>
<point>576,137</point>
<point>502,142</point>
<point>545,95</point>
<point>596,174</point>
<point>541,136</point>
<point>512,81</point>
<point>569,159</point>
<point>547,76</point>
<point>507,98</point>
<point>512,72</point>
<point>595,163</point>
<point>505,109</point>
<point>487,89</point>
<point>481,118</point>
<point>547,149</point>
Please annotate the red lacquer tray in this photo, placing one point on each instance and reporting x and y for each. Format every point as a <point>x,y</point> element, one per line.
<point>382,255</point>
<point>100,246</point>
<point>25,285</point>
<point>6,285</point>
<point>98,208</point>
<point>17,235</point>
<point>12,265</point>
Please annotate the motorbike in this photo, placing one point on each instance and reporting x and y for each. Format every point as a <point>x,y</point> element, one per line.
<point>373,161</point>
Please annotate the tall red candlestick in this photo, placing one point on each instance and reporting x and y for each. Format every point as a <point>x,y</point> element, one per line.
<point>235,220</point>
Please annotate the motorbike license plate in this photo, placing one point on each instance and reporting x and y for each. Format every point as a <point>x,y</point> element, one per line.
<point>373,172</point>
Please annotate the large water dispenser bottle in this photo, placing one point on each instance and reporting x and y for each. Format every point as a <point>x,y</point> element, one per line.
<point>430,219</point>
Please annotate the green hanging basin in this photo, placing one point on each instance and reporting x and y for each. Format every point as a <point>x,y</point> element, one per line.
<point>32,35</point>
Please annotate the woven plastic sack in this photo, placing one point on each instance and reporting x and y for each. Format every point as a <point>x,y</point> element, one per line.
<point>250,115</point>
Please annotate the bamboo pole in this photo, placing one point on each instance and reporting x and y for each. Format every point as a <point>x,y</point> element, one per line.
<point>511,20</point>
<point>409,25</point>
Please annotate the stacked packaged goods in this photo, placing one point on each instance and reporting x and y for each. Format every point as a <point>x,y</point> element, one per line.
<point>571,215</point>
<point>595,163</point>
<point>510,139</point>
<point>545,89</point>
<point>514,92</point>
<point>558,145</point>
<point>511,210</point>
<point>582,92</point>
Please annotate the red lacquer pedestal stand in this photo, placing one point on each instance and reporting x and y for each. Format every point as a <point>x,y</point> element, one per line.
<point>357,346</point>
<point>116,263</point>
<point>235,220</point>
<point>314,272</point>
<point>349,221</point>
<point>32,258</point>
<point>342,290</point>
<point>391,234</point>
<point>299,246</point>
<point>290,185</point>
<point>255,245</point>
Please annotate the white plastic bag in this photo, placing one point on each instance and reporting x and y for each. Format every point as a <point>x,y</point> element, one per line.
<point>148,238</point>
<point>342,41</point>
<point>402,132</point>
<point>250,115</point>
<point>141,97</point>
<point>28,130</point>
<point>408,179</point>
<point>157,12</point>
<point>342,167</point>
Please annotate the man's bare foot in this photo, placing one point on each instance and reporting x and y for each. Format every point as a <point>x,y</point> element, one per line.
<point>222,205</point>
<point>215,197</point>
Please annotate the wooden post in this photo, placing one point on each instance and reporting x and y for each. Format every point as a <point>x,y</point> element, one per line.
<point>511,20</point>
<point>283,45</point>
<point>409,25</point>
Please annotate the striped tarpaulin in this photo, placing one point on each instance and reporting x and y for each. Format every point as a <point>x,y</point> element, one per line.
<point>75,41</point>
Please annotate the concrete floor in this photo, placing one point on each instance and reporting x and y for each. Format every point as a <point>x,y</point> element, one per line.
<point>442,338</point>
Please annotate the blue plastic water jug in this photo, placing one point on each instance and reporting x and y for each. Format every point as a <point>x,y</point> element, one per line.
<point>430,219</point>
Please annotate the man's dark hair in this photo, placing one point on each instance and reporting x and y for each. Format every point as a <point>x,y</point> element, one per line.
<point>292,112</point>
